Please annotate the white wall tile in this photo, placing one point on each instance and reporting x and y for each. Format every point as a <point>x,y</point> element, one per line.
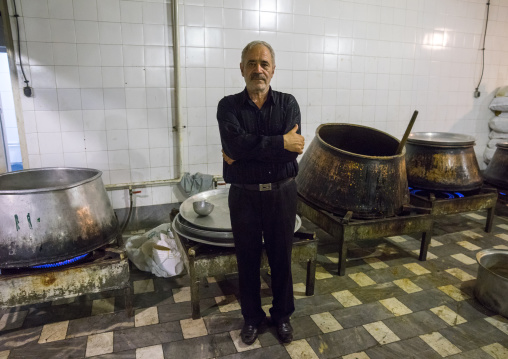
<point>111,55</point>
<point>98,160</point>
<point>65,54</point>
<point>134,77</point>
<point>90,77</point>
<point>40,53</point>
<point>108,10</point>
<point>116,119</point>
<point>153,35</point>
<point>69,99</point>
<point>74,142</point>
<point>110,33</point>
<point>60,9</point>
<point>133,55</point>
<point>155,56</point>
<point>85,9</point>
<point>154,13</point>
<point>94,120</point>
<point>71,121</point>
<point>117,140</point>
<point>50,143</point>
<point>62,30</point>
<point>131,11</point>
<point>135,97</point>
<point>92,99</point>
<point>155,77</point>
<point>132,34</point>
<point>52,160</point>
<point>87,32</point>
<point>137,118</point>
<point>67,76</point>
<point>45,100</point>
<point>139,159</point>
<point>37,29</point>
<point>95,141</point>
<point>89,54</point>
<point>114,98</point>
<point>112,77</point>
<point>43,76</point>
<point>75,159</point>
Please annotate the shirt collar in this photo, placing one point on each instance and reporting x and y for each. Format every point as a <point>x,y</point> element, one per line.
<point>272,96</point>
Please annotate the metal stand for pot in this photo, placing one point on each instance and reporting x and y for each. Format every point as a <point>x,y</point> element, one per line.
<point>485,199</point>
<point>108,270</point>
<point>345,230</point>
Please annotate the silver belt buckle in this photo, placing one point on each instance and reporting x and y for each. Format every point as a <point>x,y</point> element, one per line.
<point>265,186</point>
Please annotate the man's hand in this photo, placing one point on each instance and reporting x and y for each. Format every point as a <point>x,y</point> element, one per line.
<point>227,158</point>
<point>294,142</point>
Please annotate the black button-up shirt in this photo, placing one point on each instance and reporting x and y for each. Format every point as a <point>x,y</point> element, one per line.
<point>253,137</point>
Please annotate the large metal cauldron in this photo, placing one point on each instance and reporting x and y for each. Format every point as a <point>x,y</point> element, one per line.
<point>442,161</point>
<point>52,214</point>
<point>354,168</point>
<point>491,287</point>
<point>496,172</point>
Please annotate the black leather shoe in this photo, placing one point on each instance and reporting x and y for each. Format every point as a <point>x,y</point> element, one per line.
<point>249,333</point>
<point>285,332</point>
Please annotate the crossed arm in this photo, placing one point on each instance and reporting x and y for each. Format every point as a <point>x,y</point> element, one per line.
<point>238,144</point>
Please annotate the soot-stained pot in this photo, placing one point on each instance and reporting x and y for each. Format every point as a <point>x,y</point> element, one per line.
<point>496,172</point>
<point>354,168</point>
<point>53,214</point>
<point>442,161</point>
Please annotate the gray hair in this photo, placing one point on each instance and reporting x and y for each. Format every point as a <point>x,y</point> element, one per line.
<point>251,44</point>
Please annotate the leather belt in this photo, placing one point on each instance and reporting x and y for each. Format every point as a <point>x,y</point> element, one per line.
<point>264,186</point>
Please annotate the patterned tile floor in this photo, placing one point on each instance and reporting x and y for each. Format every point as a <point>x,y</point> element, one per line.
<point>389,305</point>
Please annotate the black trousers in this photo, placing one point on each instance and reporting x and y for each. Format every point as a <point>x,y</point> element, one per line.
<point>270,215</point>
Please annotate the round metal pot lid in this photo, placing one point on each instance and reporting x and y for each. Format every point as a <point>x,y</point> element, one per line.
<point>440,138</point>
<point>502,145</point>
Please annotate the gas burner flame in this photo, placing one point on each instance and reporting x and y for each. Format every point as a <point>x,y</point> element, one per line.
<point>443,195</point>
<point>502,193</point>
<point>62,263</point>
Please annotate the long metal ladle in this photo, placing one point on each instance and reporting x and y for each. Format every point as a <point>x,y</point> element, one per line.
<point>406,134</point>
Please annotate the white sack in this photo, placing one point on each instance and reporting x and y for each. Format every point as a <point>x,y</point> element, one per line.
<point>495,134</point>
<point>487,154</point>
<point>155,251</point>
<point>499,124</point>
<point>499,104</point>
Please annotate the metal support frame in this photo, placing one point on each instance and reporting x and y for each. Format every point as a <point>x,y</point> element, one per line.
<point>344,230</point>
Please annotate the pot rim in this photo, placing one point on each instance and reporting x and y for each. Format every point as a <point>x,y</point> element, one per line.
<point>441,139</point>
<point>502,145</point>
<point>98,174</point>
<point>486,252</point>
<point>386,158</point>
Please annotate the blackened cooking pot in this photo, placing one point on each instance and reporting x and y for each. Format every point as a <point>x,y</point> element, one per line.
<point>442,161</point>
<point>496,172</point>
<point>53,214</point>
<point>354,168</point>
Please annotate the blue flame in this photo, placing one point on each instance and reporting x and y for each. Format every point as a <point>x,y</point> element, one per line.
<point>458,194</point>
<point>62,263</point>
<point>504,194</point>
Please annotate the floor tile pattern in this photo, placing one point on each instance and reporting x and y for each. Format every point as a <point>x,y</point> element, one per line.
<point>388,305</point>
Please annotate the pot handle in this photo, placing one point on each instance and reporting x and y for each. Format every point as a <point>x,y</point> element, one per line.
<point>406,134</point>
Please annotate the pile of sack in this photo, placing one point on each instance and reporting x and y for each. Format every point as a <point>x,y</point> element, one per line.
<point>498,124</point>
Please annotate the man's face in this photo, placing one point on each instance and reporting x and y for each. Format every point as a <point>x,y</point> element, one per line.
<point>257,69</point>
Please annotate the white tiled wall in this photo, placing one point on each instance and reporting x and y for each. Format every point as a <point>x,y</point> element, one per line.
<point>104,85</point>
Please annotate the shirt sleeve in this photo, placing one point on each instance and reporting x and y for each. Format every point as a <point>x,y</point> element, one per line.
<point>292,117</point>
<point>237,143</point>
